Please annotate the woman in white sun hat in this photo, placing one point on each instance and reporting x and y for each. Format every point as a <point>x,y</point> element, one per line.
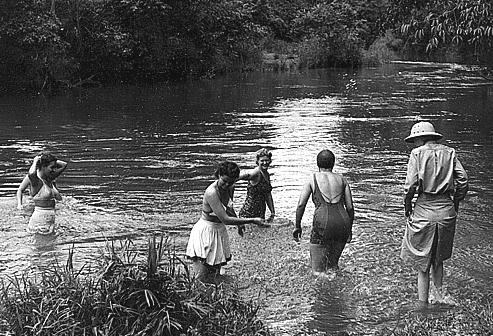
<point>435,173</point>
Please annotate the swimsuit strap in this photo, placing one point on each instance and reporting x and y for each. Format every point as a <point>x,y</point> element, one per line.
<point>326,196</point>
<point>263,176</point>
<point>230,201</point>
<point>45,185</point>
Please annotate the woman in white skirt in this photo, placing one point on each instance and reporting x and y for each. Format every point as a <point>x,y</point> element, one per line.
<point>42,187</point>
<point>208,245</point>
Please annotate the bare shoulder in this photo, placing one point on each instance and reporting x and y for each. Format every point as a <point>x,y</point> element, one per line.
<point>211,189</point>
<point>255,172</point>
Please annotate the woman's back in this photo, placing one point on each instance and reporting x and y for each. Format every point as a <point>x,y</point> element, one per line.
<point>331,186</point>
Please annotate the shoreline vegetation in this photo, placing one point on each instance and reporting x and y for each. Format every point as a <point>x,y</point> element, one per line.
<point>51,45</point>
<point>127,296</point>
<point>136,292</point>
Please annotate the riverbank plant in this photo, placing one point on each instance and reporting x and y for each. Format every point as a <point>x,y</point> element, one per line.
<point>127,296</point>
<point>55,45</point>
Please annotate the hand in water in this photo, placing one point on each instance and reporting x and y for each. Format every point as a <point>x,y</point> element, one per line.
<point>241,229</point>
<point>297,234</point>
<point>260,222</point>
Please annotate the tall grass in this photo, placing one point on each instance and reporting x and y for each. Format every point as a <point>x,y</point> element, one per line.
<point>156,296</point>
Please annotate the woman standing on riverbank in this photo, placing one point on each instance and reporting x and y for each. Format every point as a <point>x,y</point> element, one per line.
<point>208,245</point>
<point>259,189</point>
<point>333,216</point>
<point>436,174</point>
<point>42,187</point>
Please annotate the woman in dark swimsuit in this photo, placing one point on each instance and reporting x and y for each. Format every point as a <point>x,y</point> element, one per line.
<point>259,189</point>
<point>41,182</point>
<point>333,216</point>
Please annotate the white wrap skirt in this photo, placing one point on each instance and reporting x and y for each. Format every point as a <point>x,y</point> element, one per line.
<point>209,242</point>
<point>430,230</point>
<point>42,221</point>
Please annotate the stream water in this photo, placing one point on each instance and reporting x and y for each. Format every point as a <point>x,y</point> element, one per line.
<point>141,156</point>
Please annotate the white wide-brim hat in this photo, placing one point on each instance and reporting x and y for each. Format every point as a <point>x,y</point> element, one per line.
<point>420,129</point>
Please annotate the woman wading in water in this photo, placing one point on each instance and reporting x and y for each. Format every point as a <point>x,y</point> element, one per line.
<point>208,245</point>
<point>42,187</point>
<point>259,188</point>
<point>435,173</point>
<point>333,216</point>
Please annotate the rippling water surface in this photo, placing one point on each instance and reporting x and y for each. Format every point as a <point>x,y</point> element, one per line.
<point>140,158</point>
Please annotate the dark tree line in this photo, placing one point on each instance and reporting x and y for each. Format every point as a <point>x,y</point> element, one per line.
<point>45,44</point>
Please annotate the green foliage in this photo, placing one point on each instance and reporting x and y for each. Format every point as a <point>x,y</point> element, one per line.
<point>438,24</point>
<point>30,43</point>
<point>128,297</point>
<point>48,44</point>
<point>331,35</point>
<point>383,50</point>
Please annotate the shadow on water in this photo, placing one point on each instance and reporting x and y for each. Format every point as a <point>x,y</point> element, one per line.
<point>140,158</point>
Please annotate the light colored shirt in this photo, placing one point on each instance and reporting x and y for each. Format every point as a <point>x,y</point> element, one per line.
<point>435,169</point>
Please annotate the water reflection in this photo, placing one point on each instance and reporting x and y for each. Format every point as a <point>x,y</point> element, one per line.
<point>331,309</point>
<point>140,158</point>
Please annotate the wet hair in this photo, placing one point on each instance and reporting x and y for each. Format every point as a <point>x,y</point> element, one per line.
<point>45,159</point>
<point>326,159</point>
<point>263,152</point>
<point>227,168</point>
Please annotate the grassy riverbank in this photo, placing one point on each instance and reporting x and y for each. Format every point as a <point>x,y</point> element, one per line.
<point>127,296</point>
<point>267,290</point>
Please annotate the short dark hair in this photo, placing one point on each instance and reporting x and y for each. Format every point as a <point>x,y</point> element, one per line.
<point>45,159</point>
<point>227,168</point>
<point>326,159</point>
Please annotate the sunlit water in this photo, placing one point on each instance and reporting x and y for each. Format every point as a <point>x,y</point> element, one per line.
<point>140,158</point>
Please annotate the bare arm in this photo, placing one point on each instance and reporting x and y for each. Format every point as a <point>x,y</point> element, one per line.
<point>249,175</point>
<point>300,209</point>
<point>212,198</point>
<point>34,167</point>
<point>20,190</point>
<point>60,167</point>
<point>270,205</point>
<point>348,201</point>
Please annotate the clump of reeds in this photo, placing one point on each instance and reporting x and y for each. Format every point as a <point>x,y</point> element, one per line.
<point>155,297</point>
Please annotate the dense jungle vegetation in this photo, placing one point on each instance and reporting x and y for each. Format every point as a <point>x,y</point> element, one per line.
<point>50,44</point>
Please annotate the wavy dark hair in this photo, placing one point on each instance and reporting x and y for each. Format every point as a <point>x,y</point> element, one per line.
<point>45,159</point>
<point>227,168</point>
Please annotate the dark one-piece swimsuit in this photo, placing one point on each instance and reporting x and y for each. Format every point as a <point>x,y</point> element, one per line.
<point>331,224</point>
<point>256,197</point>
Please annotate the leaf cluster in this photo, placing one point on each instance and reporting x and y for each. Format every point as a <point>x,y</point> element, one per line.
<point>443,23</point>
<point>129,296</point>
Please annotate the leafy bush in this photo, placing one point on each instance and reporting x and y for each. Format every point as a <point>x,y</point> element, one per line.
<point>332,35</point>
<point>383,50</point>
<point>128,297</point>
